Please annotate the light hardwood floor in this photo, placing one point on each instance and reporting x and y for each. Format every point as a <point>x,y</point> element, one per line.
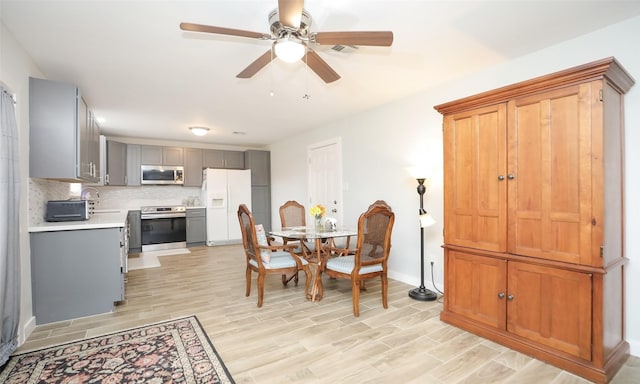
<point>291,340</point>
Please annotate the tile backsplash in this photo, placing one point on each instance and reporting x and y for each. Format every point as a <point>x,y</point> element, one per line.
<point>136,197</point>
<point>130,198</point>
<point>41,191</point>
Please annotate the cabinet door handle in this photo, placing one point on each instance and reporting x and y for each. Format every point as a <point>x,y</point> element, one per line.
<point>501,177</point>
<point>501,295</point>
<point>510,176</point>
<point>510,297</point>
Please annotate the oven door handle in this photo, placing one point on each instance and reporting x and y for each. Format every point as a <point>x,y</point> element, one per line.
<point>162,216</point>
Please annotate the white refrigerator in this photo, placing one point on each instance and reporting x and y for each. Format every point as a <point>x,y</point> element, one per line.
<point>223,190</point>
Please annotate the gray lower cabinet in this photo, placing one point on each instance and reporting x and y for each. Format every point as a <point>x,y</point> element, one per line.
<point>135,231</point>
<point>196,227</point>
<point>76,273</point>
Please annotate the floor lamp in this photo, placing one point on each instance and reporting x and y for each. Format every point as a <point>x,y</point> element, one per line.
<point>421,293</point>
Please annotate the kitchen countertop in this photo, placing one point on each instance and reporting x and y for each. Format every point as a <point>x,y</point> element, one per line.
<point>100,219</point>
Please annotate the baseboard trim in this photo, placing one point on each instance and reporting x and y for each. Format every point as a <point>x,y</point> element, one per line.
<point>27,329</point>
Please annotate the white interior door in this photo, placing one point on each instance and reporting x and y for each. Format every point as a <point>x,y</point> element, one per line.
<point>325,177</point>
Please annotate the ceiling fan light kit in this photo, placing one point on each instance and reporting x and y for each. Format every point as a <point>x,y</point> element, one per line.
<point>289,49</point>
<point>289,26</point>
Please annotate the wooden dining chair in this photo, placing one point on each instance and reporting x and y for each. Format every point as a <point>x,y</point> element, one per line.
<point>371,254</point>
<point>265,258</point>
<point>292,214</point>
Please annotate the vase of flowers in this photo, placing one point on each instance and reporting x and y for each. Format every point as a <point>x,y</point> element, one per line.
<point>318,211</point>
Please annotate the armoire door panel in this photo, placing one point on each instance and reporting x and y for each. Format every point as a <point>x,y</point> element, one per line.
<point>550,194</point>
<point>475,165</point>
<point>477,287</point>
<point>550,306</point>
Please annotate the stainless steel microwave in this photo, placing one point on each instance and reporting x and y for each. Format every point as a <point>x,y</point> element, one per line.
<point>161,174</point>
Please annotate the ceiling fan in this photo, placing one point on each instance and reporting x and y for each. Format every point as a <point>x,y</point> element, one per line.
<point>291,39</point>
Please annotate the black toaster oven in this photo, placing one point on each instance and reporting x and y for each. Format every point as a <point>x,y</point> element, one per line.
<point>67,210</point>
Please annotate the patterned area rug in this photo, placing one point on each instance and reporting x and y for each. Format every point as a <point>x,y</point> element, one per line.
<point>176,351</point>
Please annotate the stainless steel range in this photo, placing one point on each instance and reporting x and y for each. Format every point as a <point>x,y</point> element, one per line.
<point>163,227</point>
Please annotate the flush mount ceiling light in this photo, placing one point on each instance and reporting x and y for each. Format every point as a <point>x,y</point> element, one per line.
<point>199,131</point>
<point>289,49</point>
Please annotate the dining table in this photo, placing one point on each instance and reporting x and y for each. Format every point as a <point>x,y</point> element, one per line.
<point>317,235</point>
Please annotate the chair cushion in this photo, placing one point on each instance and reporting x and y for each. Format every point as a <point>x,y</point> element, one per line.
<point>345,264</point>
<point>265,254</point>
<point>279,259</point>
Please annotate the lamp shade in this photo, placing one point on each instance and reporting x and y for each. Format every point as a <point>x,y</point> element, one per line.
<point>289,49</point>
<point>426,220</point>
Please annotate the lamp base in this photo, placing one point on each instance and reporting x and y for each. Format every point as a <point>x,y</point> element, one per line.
<point>422,294</point>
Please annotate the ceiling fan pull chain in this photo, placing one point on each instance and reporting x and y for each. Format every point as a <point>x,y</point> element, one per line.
<point>271,92</point>
<point>306,96</point>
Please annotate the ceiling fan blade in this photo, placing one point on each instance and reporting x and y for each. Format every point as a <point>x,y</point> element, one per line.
<point>370,38</point>
<point>223,31</point>
<point>290,13</point>
<point>256,66</point>
<point>320,67</point>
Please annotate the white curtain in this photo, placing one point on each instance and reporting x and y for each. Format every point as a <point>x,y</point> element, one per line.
<point>9,227</point>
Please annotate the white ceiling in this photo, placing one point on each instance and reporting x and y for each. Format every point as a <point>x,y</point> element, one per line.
<point>149,79</point>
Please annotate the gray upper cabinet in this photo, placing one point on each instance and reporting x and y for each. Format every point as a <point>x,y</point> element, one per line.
<point>260,164</point>
<point>150,155</point>
<point>64,141</point>
<point>133,164</point>
<point>172,156</point>
<point>116,170</point>
<point>216,158</point>
<point>192,167</point>
<point>157,155</point>
<point>93,145</point>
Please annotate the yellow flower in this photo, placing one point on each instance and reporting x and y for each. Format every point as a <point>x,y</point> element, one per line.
<point>317,211</point>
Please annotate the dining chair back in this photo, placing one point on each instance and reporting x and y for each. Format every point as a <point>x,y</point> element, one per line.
<point>292,214</point>
<point>371,255</point>
<point>266,258</point>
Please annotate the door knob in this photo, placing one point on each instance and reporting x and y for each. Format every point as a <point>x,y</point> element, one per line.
<point>501,295</point>
<point>501,177</point>
<point>511,176</point>
<point>510,297</point>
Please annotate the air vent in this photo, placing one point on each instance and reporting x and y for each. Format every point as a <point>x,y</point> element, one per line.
<point>344,48</point>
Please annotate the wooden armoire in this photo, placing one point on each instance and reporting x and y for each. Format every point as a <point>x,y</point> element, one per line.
<point>534,221</point>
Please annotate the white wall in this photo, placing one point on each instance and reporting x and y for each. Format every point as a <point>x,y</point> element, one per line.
<point>379,144</point>
<point>15,68</point>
